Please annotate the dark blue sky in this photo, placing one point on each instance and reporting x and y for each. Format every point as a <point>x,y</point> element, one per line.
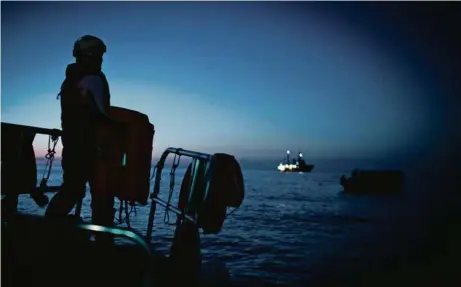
<point>253,79</point>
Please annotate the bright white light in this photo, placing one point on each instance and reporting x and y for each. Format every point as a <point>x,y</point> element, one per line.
<point>283,167</point>
<point>300,155</point>
<point>288,152</point>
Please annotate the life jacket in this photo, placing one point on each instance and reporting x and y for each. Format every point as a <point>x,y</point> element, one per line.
<point>79,111</point>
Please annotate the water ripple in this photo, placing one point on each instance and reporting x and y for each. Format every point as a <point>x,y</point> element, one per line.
<point>286,227</point>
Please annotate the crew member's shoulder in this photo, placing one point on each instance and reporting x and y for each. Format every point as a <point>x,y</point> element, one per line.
<point>94,84</point>
<point>91,82</point>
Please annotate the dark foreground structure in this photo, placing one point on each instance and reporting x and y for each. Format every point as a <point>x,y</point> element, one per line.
<point>38,250</point>
<point>64,251</point>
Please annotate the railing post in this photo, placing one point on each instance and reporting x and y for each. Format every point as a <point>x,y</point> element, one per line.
<point>199,159</point>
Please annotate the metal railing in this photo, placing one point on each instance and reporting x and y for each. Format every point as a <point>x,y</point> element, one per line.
<point>198,158</point>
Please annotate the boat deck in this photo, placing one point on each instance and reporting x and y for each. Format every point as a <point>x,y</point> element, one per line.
<point>36,251</point>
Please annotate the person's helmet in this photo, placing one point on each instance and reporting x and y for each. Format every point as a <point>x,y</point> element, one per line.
<point>88,46</point>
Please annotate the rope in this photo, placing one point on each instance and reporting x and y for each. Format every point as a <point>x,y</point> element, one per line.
<point>124,204</point>
<point>126,219</point>
<point>49,157</point>
<point>124,208</point>
<point>166,218</point>
<point>233,210</point>
<point>127,215</point>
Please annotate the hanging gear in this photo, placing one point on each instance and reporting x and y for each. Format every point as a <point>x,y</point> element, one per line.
<point>123,208</point>
<point>192,196</point>
<point>226,189</point>
<point>123,169</point>
<point>185,189</point>
<point>210,202</point>
<point>52,142</point>
<point>18,160</point>
<point>211,184</point>
<point>185,250</point>
<point>38,194</point>
<point>176,160</point>
<point>228,177</point>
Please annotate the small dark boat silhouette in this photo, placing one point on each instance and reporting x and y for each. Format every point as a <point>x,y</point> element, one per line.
<point>296,165</point>
<point>373,181</point>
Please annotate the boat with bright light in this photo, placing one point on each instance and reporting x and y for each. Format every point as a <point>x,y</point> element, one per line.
<point>296,165</point>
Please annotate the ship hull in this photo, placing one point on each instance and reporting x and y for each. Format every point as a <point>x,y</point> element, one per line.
<point>307,168</point>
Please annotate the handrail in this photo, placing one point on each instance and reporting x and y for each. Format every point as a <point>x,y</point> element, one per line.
<point>30,131</point>
<point>37,130</point>
<point>158,177</point>
<point>117,231</point>
<point>128,234</point>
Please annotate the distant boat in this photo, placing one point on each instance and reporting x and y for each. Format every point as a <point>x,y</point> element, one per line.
<point>296,165</point>
<point>373,181</point>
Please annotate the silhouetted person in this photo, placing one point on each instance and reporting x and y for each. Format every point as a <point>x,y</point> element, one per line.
<point>85,98</point>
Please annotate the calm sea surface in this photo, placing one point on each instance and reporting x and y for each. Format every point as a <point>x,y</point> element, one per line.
<point>294,226</point>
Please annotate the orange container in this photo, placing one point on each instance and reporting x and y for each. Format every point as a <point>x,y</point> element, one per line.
<point>123,168</point>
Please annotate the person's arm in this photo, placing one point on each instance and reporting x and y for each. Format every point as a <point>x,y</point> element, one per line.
<point>92,88</point>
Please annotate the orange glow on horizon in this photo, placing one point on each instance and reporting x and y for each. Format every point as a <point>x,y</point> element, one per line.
<point>41,152</point>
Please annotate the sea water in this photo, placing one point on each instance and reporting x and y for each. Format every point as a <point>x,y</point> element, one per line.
<point>291,227</point>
